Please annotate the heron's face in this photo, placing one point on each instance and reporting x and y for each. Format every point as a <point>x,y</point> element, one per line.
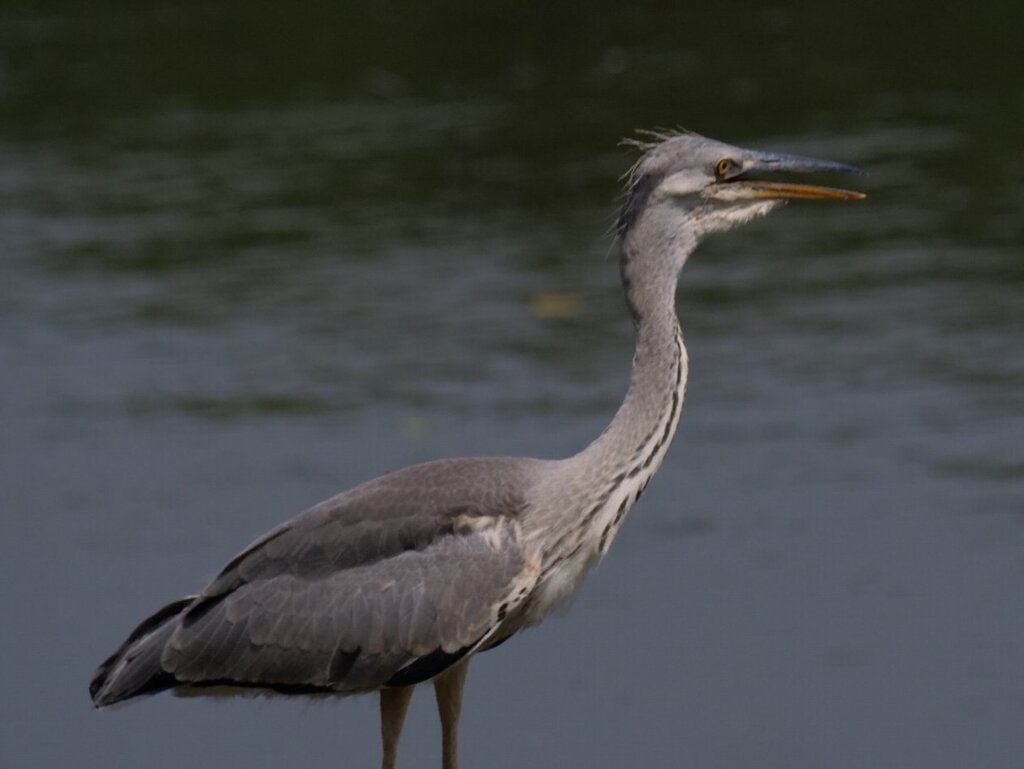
<point>711,187</point>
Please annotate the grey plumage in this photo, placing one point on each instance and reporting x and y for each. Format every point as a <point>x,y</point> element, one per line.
<point>349,594</point>
<point>402,579</point>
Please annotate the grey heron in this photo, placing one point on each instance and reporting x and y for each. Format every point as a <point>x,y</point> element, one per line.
<point>404,578</point>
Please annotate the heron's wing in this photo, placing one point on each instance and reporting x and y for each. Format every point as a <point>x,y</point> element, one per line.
<point>377,586</point>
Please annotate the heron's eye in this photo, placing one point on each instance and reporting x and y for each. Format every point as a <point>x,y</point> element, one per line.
<point>723,166</point>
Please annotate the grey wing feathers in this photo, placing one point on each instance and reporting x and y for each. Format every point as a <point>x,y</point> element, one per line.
<point>387,583</point>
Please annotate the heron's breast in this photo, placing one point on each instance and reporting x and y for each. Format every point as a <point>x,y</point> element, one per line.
<point>558,585</point>
<point>576,552</point>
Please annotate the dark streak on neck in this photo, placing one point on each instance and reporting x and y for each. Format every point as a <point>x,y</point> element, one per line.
<point>640,190</point>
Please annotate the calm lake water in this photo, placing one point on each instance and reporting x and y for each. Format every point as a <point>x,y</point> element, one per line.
<point>251,256</point>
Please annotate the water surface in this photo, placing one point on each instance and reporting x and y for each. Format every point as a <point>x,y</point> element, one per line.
<point>253,256</point>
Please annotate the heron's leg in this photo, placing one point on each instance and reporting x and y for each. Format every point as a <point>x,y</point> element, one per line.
<point>448,688</point>
<point>394,702</point>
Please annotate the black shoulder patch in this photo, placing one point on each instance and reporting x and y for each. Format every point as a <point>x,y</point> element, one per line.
<point>426,667</point>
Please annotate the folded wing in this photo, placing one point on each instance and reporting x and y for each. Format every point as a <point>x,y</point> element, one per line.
<point>387,584</point>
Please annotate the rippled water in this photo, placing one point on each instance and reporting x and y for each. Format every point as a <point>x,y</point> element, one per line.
<point>251,258</point>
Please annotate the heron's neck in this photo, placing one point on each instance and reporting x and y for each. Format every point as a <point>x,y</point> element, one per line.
<point>597,487</point>
<point>646,421</point>
<point>621,461</point>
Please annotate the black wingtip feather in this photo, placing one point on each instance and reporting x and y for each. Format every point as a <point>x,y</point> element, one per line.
<point>105,688</point>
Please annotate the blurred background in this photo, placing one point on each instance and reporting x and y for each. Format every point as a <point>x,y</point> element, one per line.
<point>254,253</point>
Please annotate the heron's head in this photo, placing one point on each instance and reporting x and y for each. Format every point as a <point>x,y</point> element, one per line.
<point>686,187</point>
